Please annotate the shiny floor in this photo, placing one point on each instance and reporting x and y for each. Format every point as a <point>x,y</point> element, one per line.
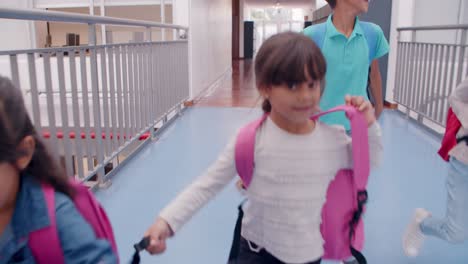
<point>411,175</point>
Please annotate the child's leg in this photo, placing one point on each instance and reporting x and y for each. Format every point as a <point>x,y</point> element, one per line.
<point>454,227</point>
<point>247,256</point>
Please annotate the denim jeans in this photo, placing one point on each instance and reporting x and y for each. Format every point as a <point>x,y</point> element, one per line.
<point>454,227</point>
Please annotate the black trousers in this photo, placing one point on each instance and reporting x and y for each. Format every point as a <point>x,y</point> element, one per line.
<point>240,250</point>
<point>247,256</point>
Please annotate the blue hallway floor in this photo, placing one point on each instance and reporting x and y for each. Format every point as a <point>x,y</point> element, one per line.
<point>411,175</point>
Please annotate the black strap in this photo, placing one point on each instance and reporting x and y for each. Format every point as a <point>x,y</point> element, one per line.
<point>358,256</point>
<point>464,138</point>
<point>361,201</point>
<point>140,246</point>
<point>234,253</point>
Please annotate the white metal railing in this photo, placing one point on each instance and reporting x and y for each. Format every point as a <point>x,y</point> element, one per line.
<point>93,102</point>
<point>428,71</point>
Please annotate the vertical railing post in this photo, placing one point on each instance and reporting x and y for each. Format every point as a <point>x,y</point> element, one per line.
<point>461,55</point>
<point>396,85</point>
<point>96,106</point>
<point>94,86</point>
<point>151,84</point>
<point>14,70</point>
<point>411,60</point>
<point>162,6</point>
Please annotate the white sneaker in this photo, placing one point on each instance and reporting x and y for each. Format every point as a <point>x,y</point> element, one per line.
<point>413,237</point>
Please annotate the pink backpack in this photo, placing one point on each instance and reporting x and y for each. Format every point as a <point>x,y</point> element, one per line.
<point>342,227</point>
<point>45,243</point>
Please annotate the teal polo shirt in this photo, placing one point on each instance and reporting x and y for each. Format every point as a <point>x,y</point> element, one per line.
<point>347,66</point>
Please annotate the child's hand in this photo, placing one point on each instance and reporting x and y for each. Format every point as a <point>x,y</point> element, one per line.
<point>158,234</point>
<point>240,187</point>
<point>363,106</point>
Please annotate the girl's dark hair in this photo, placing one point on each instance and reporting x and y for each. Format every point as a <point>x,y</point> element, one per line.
<point>282,59</point>
<point>15,125</point>
<point>332,3</point>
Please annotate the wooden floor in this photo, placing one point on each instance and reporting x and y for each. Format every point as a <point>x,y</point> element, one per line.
<point>236,91</point>
<point>239,89</point>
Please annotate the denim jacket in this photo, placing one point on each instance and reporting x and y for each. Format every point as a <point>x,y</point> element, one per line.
<point>77,238</point>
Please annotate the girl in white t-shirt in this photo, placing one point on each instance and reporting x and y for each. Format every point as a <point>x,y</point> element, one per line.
<point>295,160</point>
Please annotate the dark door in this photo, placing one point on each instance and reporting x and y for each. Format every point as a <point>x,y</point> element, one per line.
<point>380,13</point>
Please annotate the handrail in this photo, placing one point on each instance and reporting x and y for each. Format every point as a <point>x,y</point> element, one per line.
<point>42,15</point>
<point>428,71</point>
<point>120,91</point>
<point>442,27</point>
<point>82,47</point>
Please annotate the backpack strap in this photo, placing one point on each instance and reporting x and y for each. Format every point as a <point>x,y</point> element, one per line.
<point>45,243</point>
<point>361,168</point>
<point>463,139</point>
<point>93,213</point>
<point>318,31</point>
<point>371,37</point>
<point>140,246</point>
<point>244,159</point>
<point>245,146</point>
<point>245,150</point>
<point>360,145</point>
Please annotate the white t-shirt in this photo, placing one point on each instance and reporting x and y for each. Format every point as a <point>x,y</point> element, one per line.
<point>288,189</point>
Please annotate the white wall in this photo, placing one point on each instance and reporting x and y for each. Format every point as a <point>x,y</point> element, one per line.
<point>61,3</point>
<point>210,42</point>
<point>436,12</point>
<point>20,33</point>
<point>181,12</point>
<point>309,11</point>
<point>82,3</point>
<point>407,13</point>
<point>119,34</point>
<point>210,34</point>
<point>447,12</point>
<point>402,16</point>
<point>464,12</point>
<point>320,3</point>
